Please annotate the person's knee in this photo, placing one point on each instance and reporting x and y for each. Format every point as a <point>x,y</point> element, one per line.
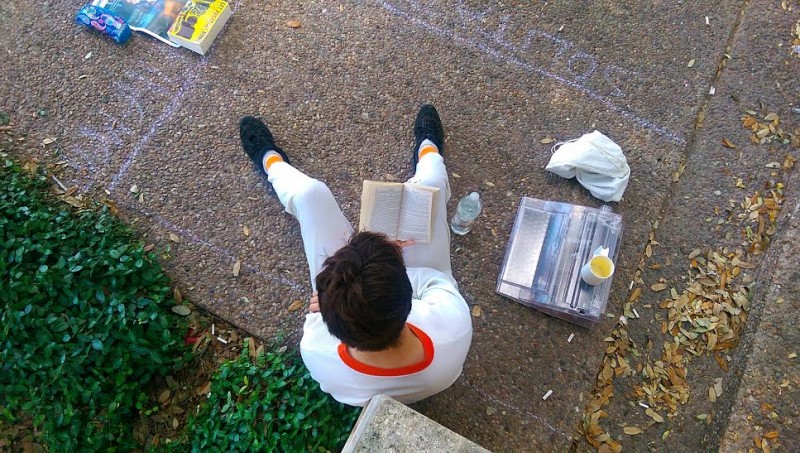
<point>313,192</point>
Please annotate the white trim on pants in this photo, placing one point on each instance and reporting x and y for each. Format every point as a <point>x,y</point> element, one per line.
<point>325,229</point>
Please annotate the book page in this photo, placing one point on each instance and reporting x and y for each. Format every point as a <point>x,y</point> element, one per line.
<point>416,215</point>
<point>380,207</point>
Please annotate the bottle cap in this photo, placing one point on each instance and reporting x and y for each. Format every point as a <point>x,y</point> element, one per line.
<point>474,196</point>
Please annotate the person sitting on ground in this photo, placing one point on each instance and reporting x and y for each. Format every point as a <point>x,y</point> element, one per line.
<point>385,316</point>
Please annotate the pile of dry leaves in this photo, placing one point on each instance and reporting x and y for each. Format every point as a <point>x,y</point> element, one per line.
<point>705,318</point>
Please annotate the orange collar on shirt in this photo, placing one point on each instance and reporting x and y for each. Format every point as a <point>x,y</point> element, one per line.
<point>427,347</point>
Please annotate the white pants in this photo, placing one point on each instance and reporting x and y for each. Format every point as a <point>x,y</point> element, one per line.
<point>325,229</point>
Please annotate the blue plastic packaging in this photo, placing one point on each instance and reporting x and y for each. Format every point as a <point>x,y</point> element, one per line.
<point>105,22</point>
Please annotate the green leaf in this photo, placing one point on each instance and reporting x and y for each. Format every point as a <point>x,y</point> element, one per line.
<point>97,345</point>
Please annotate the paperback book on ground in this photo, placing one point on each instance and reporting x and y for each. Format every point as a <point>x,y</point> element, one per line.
<point>199,23</point>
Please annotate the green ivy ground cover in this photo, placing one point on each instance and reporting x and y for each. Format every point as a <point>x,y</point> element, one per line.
<point>85,319</point>
<point>86,324</point>
<point>268,403</point>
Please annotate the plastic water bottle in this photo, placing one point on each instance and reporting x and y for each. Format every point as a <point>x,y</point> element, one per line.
<point>467,211</point>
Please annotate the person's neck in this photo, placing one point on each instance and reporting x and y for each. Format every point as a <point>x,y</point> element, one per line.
<point>407,351</point>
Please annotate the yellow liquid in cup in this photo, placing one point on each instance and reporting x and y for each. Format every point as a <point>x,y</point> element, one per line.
<point>601,266</point>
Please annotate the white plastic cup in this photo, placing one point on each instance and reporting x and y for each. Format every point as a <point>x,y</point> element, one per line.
<point>599,269</point>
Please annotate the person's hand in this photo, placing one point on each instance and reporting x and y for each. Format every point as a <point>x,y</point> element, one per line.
<point>406,243</point>
<point>313,304</point>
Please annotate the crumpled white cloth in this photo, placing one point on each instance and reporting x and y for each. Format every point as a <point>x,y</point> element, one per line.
<point>596,161</point>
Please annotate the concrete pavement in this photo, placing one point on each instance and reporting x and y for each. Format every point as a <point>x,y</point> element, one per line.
<point>341,92</point>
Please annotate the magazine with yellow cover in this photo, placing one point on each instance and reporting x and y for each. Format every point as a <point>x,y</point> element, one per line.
<point>199,23</point>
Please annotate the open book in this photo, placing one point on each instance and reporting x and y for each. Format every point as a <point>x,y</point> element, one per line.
<point>399,210</point>
<point>153,17</point>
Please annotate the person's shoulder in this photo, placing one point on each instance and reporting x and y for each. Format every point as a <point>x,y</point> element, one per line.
<point>316,336</point>
<point>428,276</point>
<point>443,318</point>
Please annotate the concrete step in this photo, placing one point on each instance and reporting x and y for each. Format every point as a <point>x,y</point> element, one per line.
<point>385,424</point>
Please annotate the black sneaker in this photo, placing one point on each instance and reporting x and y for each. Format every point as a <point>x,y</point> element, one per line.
<point>427,126</point>
<point>257,141</point>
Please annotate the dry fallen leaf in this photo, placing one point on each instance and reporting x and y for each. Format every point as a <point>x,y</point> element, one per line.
<point>293,24</point>
<point>788,162</point>
<point>174,237</point>
<point>48,141</point>
<point>72,201</point>
<point>182,310</point>
<point>691,63</point>
<point>237,266</point>
<point>728,144</point>
<point>720,359</point>
<point>148,247</point>
<point>659,287</point>
<point>175,423</point>
<point>771,435</point>
<point>205,389</point>
<point>176,293</point>
<point>654,415</point>
<point>632,430</point>
<point>546,140</point>
<point>296,305</point>
<point>476,311</point>
<point>164,396</point>
<point>246,230</point>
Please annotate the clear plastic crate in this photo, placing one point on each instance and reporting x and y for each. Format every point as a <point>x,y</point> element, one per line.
<point>549,244</point>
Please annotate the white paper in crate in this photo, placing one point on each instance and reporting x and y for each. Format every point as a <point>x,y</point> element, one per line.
<point>597,162</point>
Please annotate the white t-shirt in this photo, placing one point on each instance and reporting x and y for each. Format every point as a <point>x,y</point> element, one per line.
<point>439,317</point>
